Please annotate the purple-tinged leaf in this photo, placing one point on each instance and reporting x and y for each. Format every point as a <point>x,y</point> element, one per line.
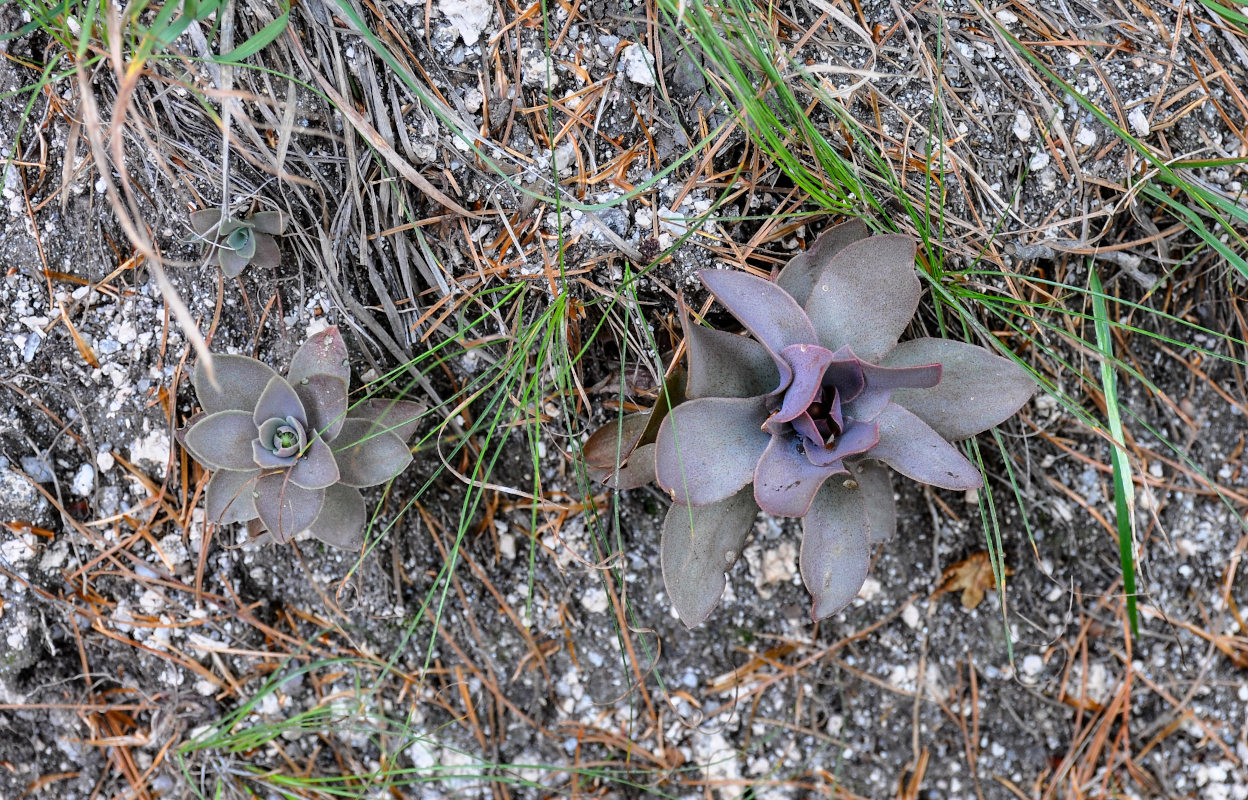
<point>912,448</point>
<point>977,389</point>
<point>766,310</point>
<point>204,221</point>
<point>610,446</point>
<point>229,496</point>
<point>342,518</point>
<point>242,380</point>
<point>859,437</point>
<point>636,473</point>
<point>875,482</point>
<point>865,296</point>
<point>267,253</point>
<point>798,276</point>
<point>231,261</point>
<point>727,365</point>
<point>324,398</point>
<point>316,468</point>
<point>367,454</point>
<point>269,222</point>
<point>785,481</point>
<point>845,373</point>
<point>322,354</point>
<point>836,549</point>
<point>267,459</point>
<point>278,400</point>
<point>707,448</point>
<point>223,440</point>
<point>699,545</point>
<point>400,417</point>
<point>284,507</point>
<point>808,361</point>
<point>922,376</point>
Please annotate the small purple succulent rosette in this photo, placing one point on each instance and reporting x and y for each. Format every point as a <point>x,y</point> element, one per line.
<point>287,453</point>
<point>236,243</point>
<point>805,416</point>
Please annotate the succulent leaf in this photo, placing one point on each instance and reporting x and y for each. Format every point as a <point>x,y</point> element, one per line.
<point>223,440</point>
<point>228,497</point>
<point>613,446</point>
<point>241,379</point>
<point>265,251</point>
<point>875,482</point>
<point>836,550</point>
<point>707,448</point>
<point>912,448</point>
<point>808,362</point>
<point>785,480</point>
<point>231,261</point>
<point>368,454</point>
<point>766,310</point>
<point>400,417</point>
<point>798,276</point>
<point>316,468</point>
<point>865,296</point>
<point>324,353</point>
<point>977,390</point>
<point>342,518</point>
<point>278,400</point>
<point>284,507</point>
<point>268,222</point>
<point>204,221</point>
<point>324,398</point>
<point>727,365</point>
<point>699,545</point>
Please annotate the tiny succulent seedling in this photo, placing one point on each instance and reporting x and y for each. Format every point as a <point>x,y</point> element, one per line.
<point>235,243</point>
<point>804,417</point>
<point>287,453</point>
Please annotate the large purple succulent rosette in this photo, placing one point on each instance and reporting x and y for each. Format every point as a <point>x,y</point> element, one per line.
<point>804,417</point>
<point>287,453</point>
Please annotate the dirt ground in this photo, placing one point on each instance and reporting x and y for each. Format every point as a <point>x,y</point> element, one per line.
<point>506,632</point>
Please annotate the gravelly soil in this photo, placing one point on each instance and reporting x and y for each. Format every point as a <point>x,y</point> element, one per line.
<point>122,642</point>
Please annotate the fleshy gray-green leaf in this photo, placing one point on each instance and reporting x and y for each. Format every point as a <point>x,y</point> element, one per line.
<point>367,454</point>
<point>228,497</point>
<point>242,380</point>
<point>322,354</point>
<point>798,276</point>
<point>267,253</point>
<point>866,296</point>
<point>223,440</point>
<point>279,400</point>
<point>836,549</point>
<point>232,263</point>
<point>342,518</point>
<point>699,544</point>
<point>707,448</point>
<point>977,388</point>
<point>284,507</point>
<point>727,365</point>
<point>910,446</point>
<point>204,221</point>
<point>268,222</point>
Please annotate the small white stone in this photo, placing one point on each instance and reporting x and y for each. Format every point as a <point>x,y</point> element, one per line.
<point>1139,122</point>
<point>1006,17</point>
<point>910,616</point>
<point>1022,125</point>
<point>1033,665</point>
<point>595,600</point>
<point>870,588</point>
<point>1086,136</point>
<point>470,17</point>
<point>1039,161</point>
<point>84,481</point>
<point>638,65</point>
<point>104,460</point>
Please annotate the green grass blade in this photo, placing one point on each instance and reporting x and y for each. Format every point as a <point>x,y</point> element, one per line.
<point>1124,488</point>
<point>263,38</point>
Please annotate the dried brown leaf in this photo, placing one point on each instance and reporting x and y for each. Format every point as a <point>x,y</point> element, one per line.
<point>973,575</point>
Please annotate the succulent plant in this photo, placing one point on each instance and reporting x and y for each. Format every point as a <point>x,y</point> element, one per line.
<point>235,242</point>
<point>287,453</point>
<point>804,417</point>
